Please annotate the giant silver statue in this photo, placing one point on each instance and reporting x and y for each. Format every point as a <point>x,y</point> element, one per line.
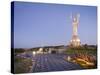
<point>75,41</point>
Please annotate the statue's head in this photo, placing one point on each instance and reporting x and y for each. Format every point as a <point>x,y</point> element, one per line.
<point>74,19</point>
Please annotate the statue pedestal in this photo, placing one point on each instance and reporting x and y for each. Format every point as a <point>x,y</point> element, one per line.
<point>75,42</point>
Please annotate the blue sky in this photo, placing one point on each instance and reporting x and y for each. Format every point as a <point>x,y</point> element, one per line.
<point>40,24</point>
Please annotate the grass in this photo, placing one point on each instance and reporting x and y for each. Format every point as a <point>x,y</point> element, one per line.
<point>82,51</point>
<point>22,65</point>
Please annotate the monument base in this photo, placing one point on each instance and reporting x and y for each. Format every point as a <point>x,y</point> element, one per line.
<point>75,42</point>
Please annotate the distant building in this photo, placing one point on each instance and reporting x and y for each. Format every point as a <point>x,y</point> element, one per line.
<point>40,51</point>
<point>57,50</point>
<point>51,50</point>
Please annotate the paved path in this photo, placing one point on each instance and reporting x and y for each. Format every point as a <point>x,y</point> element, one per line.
<point>52,62</point>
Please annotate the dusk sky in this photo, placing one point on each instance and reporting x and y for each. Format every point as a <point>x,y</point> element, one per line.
<point>40,24</point>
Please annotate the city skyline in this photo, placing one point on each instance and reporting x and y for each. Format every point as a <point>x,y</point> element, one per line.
<point>40,24</point>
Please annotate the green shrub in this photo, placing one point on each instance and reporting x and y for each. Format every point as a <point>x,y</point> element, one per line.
<point>22,65</point>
